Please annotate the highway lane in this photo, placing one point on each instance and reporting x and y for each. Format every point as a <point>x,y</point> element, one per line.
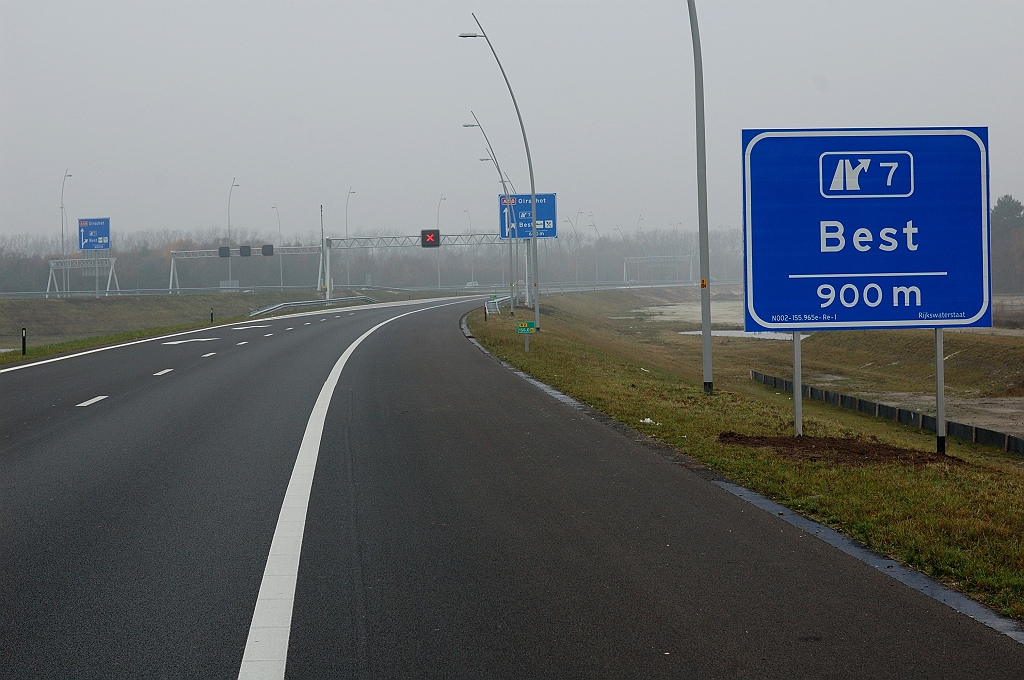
<point>461,523</point>
<point>134,531</point>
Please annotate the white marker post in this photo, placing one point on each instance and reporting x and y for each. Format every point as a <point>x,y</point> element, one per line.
<point>798,388</point>
<point>940,396</point>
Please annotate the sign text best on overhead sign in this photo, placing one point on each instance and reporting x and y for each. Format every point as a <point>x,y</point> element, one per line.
<point>866,228</point>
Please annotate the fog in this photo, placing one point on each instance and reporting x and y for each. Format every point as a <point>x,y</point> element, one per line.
<point>154,107</point>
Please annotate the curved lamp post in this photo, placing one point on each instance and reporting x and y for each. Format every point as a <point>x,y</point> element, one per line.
<point>280,258</point>
<point>439,238</point>
<point>702,202</point>
<point>594,225</point>
<point>472,274</point>
<point>348,277</point>
<point>529,162</point>
<point>233,185</point>
<point>508,215</point>
<point>63,230</point>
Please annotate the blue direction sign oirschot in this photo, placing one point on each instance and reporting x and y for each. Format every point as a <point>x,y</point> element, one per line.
<point>94,234</point>
<point>866,228</point>
<point>520,212</point>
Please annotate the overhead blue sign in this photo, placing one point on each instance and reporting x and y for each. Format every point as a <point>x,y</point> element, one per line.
<point>519,212</point>
<point>94,234</point>
<point>866,228</point>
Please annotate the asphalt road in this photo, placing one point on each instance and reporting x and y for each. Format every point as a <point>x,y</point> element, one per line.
<point>460,523</point>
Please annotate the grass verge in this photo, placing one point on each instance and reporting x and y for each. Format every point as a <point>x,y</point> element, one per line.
<point>961,522</point>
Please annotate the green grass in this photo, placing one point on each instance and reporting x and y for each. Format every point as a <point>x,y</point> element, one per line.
<point>959,523</point>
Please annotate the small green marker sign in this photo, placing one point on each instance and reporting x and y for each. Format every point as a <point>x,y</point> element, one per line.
<point>527,327</point>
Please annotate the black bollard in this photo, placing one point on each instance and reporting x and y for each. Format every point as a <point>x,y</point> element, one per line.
<point>211,314</point>
<point>24,335</point>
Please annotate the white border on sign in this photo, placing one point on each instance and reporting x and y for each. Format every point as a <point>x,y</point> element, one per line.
<point>908,323</point>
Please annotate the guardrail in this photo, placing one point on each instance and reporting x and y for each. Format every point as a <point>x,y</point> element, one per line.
<point>922,421</point>
<point>310,303</point>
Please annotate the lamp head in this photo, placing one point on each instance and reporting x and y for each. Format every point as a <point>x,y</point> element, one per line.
<point>470,35</point>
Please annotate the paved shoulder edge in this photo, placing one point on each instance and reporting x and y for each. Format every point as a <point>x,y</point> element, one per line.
<point>909,577</point>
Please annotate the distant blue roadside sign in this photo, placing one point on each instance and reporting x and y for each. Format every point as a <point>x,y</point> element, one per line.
<point>866,228</point>
<point>520,215</point>
<point>94,234</point>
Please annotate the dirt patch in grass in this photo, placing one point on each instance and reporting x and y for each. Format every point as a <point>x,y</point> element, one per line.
<point>855,452</point>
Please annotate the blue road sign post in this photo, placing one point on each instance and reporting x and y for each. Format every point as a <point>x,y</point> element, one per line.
<point>94,234</point>
<point>866,228</point>
<point>521,213</point>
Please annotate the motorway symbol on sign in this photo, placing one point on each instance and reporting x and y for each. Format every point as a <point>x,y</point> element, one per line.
<point>94,234</point>
<point>547,222</point>
<point>526,327</point>
<point>911,251</point>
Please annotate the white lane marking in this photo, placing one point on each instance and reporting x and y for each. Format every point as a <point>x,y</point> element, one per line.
<point>306,324</point>
<point>337,317</point>
<point>266,649</point>
<point>288,329</point>
<point>323,319</point>
<point>166,370</point>
<point>267,335</point>
<point>244,328</point>
<point>107,348</point>
<point>179,342</point>
<point>243,342</point>
<point>208,354</point>
<point>92,401</point>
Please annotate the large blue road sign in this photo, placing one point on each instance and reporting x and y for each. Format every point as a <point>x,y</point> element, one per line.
<point>866,228</point>
<point>94,234</point>
<point>519,212</point>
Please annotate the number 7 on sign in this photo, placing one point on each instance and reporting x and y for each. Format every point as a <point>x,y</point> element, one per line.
<point>892,169</point>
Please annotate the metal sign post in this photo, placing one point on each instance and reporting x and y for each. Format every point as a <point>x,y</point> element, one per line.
<point>526,328</point>
<point>867,229</point>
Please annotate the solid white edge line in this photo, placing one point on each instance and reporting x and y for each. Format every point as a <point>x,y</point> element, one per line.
<point>92,401</point>
<point>206,329</point>
<point>266,648</point>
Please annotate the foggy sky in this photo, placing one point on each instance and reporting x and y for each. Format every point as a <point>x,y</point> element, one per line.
<point>155,106</point>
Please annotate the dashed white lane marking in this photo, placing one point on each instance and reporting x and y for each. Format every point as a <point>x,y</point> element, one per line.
<point>323,319</point>
<point>243,342</point>
<point>288,329</point>
<point>267,335</point>
<point>92,401</point>
<point>243,328</point>
<point>306,324</point>
<point>179,342</point>
<point>166,370</point>
<point>266,649</point>
<point>208,354</point>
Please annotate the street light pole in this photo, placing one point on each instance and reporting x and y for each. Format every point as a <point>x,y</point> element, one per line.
<point>280,258</point>
<point>472,274</point>
<point>702,202</point>
<point>594,225</point>
<point>63,230</point>
<point>508,212</point>
<point>577,245</point>
<point>348,277</point>
<point>233,185</point>
<point>529,162</point>
<point>438,223</point>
